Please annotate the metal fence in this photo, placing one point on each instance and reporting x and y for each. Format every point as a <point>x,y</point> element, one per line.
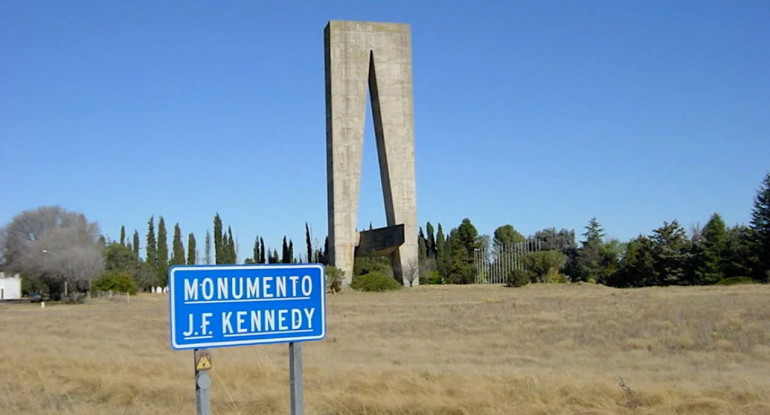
<point>493,265</point>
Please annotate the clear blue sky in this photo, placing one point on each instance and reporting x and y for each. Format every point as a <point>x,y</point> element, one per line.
<point>538,114</point>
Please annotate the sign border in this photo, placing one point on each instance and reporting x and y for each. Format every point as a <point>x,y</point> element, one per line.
<point>203,345</point>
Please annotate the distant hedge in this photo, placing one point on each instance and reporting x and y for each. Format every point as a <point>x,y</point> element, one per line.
<point>374,281</point>
<point>736,281</point>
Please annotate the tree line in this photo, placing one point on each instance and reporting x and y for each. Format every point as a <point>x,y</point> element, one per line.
<point>667,256</point>
<point>54,249</point>
<point>123,263</point>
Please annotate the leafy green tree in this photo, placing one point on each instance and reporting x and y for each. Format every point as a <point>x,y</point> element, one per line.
<point>177,256</point>
<point>551,240</point>
<point>760,226</point>
<point>464,242</point>
<point>123,235</point>
<point>507,235</point>
<point>192,250</point>
<point>544,266</point>
<point>162,251</point>
<point>117,281</point>
<point>564,241</point>
<point>120,258</point>
<point>151,250</point>
<point>370,264</point>
<point>146,276</point>
<point>610,254</point>
<point>709,251</point>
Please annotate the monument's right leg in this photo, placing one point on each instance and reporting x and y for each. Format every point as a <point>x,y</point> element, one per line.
<point>390,85</point>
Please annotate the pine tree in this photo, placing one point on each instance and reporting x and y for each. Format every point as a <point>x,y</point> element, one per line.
<point>637,268</point>
<point>122,235</point>
<point>422,254</point>
<point>326,252</point>
<point>207,248</point>
<point>431,241</point>
<point>191,250</point>
<point>262,254</point>
<point>285,252</point>
<point>422,246</point>
<point>671,254</point>
<point>219,253</point>
<point>589,255</point>
<point>760,226</point>
<point>225,243</point>
<point>162,249</point>
<point>255,250</point>
<point>464,242</point>
<point>740,257</point>
<point>709,251</point>
<point>177,256</point>
<point>441,254</point>
<point>151,253</point>
<point>309,244</point>
<point>231,248</point>
<point>162,245</point>
<point>136,244</point>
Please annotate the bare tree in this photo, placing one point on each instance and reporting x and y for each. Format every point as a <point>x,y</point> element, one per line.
<point>54,246</point>
<point>410,272</point>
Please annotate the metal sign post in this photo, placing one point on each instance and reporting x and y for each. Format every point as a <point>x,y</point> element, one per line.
<point>239,305</point>
<point>202,381</point>
<point>295,379</point>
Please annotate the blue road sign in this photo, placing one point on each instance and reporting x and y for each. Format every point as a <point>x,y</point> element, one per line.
<point>238,305</point>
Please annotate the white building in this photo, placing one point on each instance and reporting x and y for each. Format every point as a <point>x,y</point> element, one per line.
<point>10,287</point>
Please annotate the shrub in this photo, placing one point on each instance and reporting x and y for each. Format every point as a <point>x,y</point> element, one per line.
<point>735,281</point>
<point>334,277</point>
<point>432,277</point>
<point>555,277</point>
<point>374,281</point>
<point>116,281</point>
<point>541,264</point>
<point>517,278</point>
<point>75,298</point>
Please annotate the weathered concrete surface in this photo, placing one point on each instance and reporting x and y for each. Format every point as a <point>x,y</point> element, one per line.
<point>378,55</point>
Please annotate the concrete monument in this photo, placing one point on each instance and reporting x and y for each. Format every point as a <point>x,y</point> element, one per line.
<point>377,55</point>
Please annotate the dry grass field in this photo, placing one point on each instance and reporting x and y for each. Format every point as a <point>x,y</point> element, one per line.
<point>558,349</point>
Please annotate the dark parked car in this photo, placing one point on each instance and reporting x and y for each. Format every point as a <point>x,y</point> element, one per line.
<point>35,298</point>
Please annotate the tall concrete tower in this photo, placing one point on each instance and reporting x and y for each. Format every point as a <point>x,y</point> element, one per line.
<point>378,55</point>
